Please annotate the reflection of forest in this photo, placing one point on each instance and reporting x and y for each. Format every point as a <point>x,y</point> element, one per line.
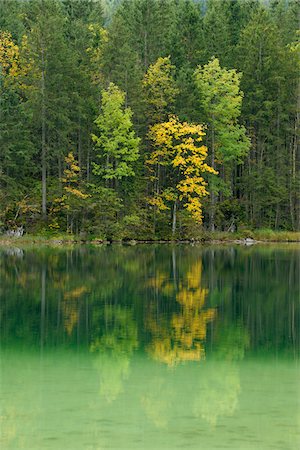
<point>178,297</point>
<point>114,350</point>
<point>57,400</point>
<point>129,309</point>
<point>207,391</point>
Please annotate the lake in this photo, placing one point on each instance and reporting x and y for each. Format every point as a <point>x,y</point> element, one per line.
<point>150,347</point>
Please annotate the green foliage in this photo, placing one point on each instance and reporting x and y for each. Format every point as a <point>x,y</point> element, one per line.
<point>160,90</point>
<point>93,76</point>
<point>118,146</point>
<point>270,81</point>
<point>221,100</point>
<point>217,31</point>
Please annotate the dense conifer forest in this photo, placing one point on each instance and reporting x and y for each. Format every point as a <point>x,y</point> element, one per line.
<point>149,118</point>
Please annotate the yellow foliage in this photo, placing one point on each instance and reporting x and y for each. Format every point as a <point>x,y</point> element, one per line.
<point>9,55</point>
<point>99,36</point>
<point>72,199</point>
<point>178,145</point>
<point>169,195</point>
<point>158,202</point>
<point>25,206</point>
<point>75,293</point>
<point>71,178</point>
<point>76,192</point>
<point>70,307</point>
<point>161,282</point>
<point>12,65</point>
<point>54,225</point>
<point>70,313</point>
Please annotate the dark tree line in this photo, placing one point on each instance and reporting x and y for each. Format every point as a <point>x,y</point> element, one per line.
<point>83,82</point>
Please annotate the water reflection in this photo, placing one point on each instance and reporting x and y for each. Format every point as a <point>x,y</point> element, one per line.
<point>180,301</point>
<point>181,336</point>
<point>167,340</point>
<point>218,393</point>
<point>113,349</point>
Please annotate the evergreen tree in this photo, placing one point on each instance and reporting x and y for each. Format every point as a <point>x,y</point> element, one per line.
<point>269,77</point>
<point>217,31</point>
<point>48,84</point>
<point>57,56</point>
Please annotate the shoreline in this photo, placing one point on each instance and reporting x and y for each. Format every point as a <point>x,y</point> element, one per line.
<point>216,238</point>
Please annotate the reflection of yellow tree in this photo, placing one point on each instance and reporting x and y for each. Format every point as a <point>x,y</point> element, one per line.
<point>191,294</point>
<point>161,283</point>
<point>70,307</point>
<point>182,337</point>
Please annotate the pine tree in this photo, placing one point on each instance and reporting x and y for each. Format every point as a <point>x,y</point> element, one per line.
<point>217,31</point>
<point>269,77</point>
<point>48,84</point>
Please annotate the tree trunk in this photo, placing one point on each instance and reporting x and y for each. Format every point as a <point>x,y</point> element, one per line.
<point>88,164</point>
<point>107,183</point>
<point>44,153</point>
<point>79,145</point>
<point>294,162</point>
<point>145,50</point>
<point>212,194</point>
<point>60,174</point>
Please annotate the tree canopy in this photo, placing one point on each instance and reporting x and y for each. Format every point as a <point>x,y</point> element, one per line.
<point>126,88</point>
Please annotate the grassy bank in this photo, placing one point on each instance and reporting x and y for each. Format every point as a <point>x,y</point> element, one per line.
<point>242,237</point>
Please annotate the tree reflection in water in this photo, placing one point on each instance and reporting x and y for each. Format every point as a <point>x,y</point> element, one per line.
<point>113,350</point>
<point>181,337</point>
<point>166,329</point>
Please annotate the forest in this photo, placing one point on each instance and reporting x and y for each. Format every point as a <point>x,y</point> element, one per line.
<point>149,119</point>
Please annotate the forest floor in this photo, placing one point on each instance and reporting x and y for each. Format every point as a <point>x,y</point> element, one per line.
<point>218,237</point>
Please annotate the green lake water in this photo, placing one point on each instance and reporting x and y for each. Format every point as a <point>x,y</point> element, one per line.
<point>150,347</point>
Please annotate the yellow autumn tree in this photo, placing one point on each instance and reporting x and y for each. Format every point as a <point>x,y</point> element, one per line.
<point>177,164</point>
<point>71,203</point>
<point>13,66</point>
<point>9,56</point>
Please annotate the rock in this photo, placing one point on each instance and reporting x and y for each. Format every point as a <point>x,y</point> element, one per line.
<point>18,232</point>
